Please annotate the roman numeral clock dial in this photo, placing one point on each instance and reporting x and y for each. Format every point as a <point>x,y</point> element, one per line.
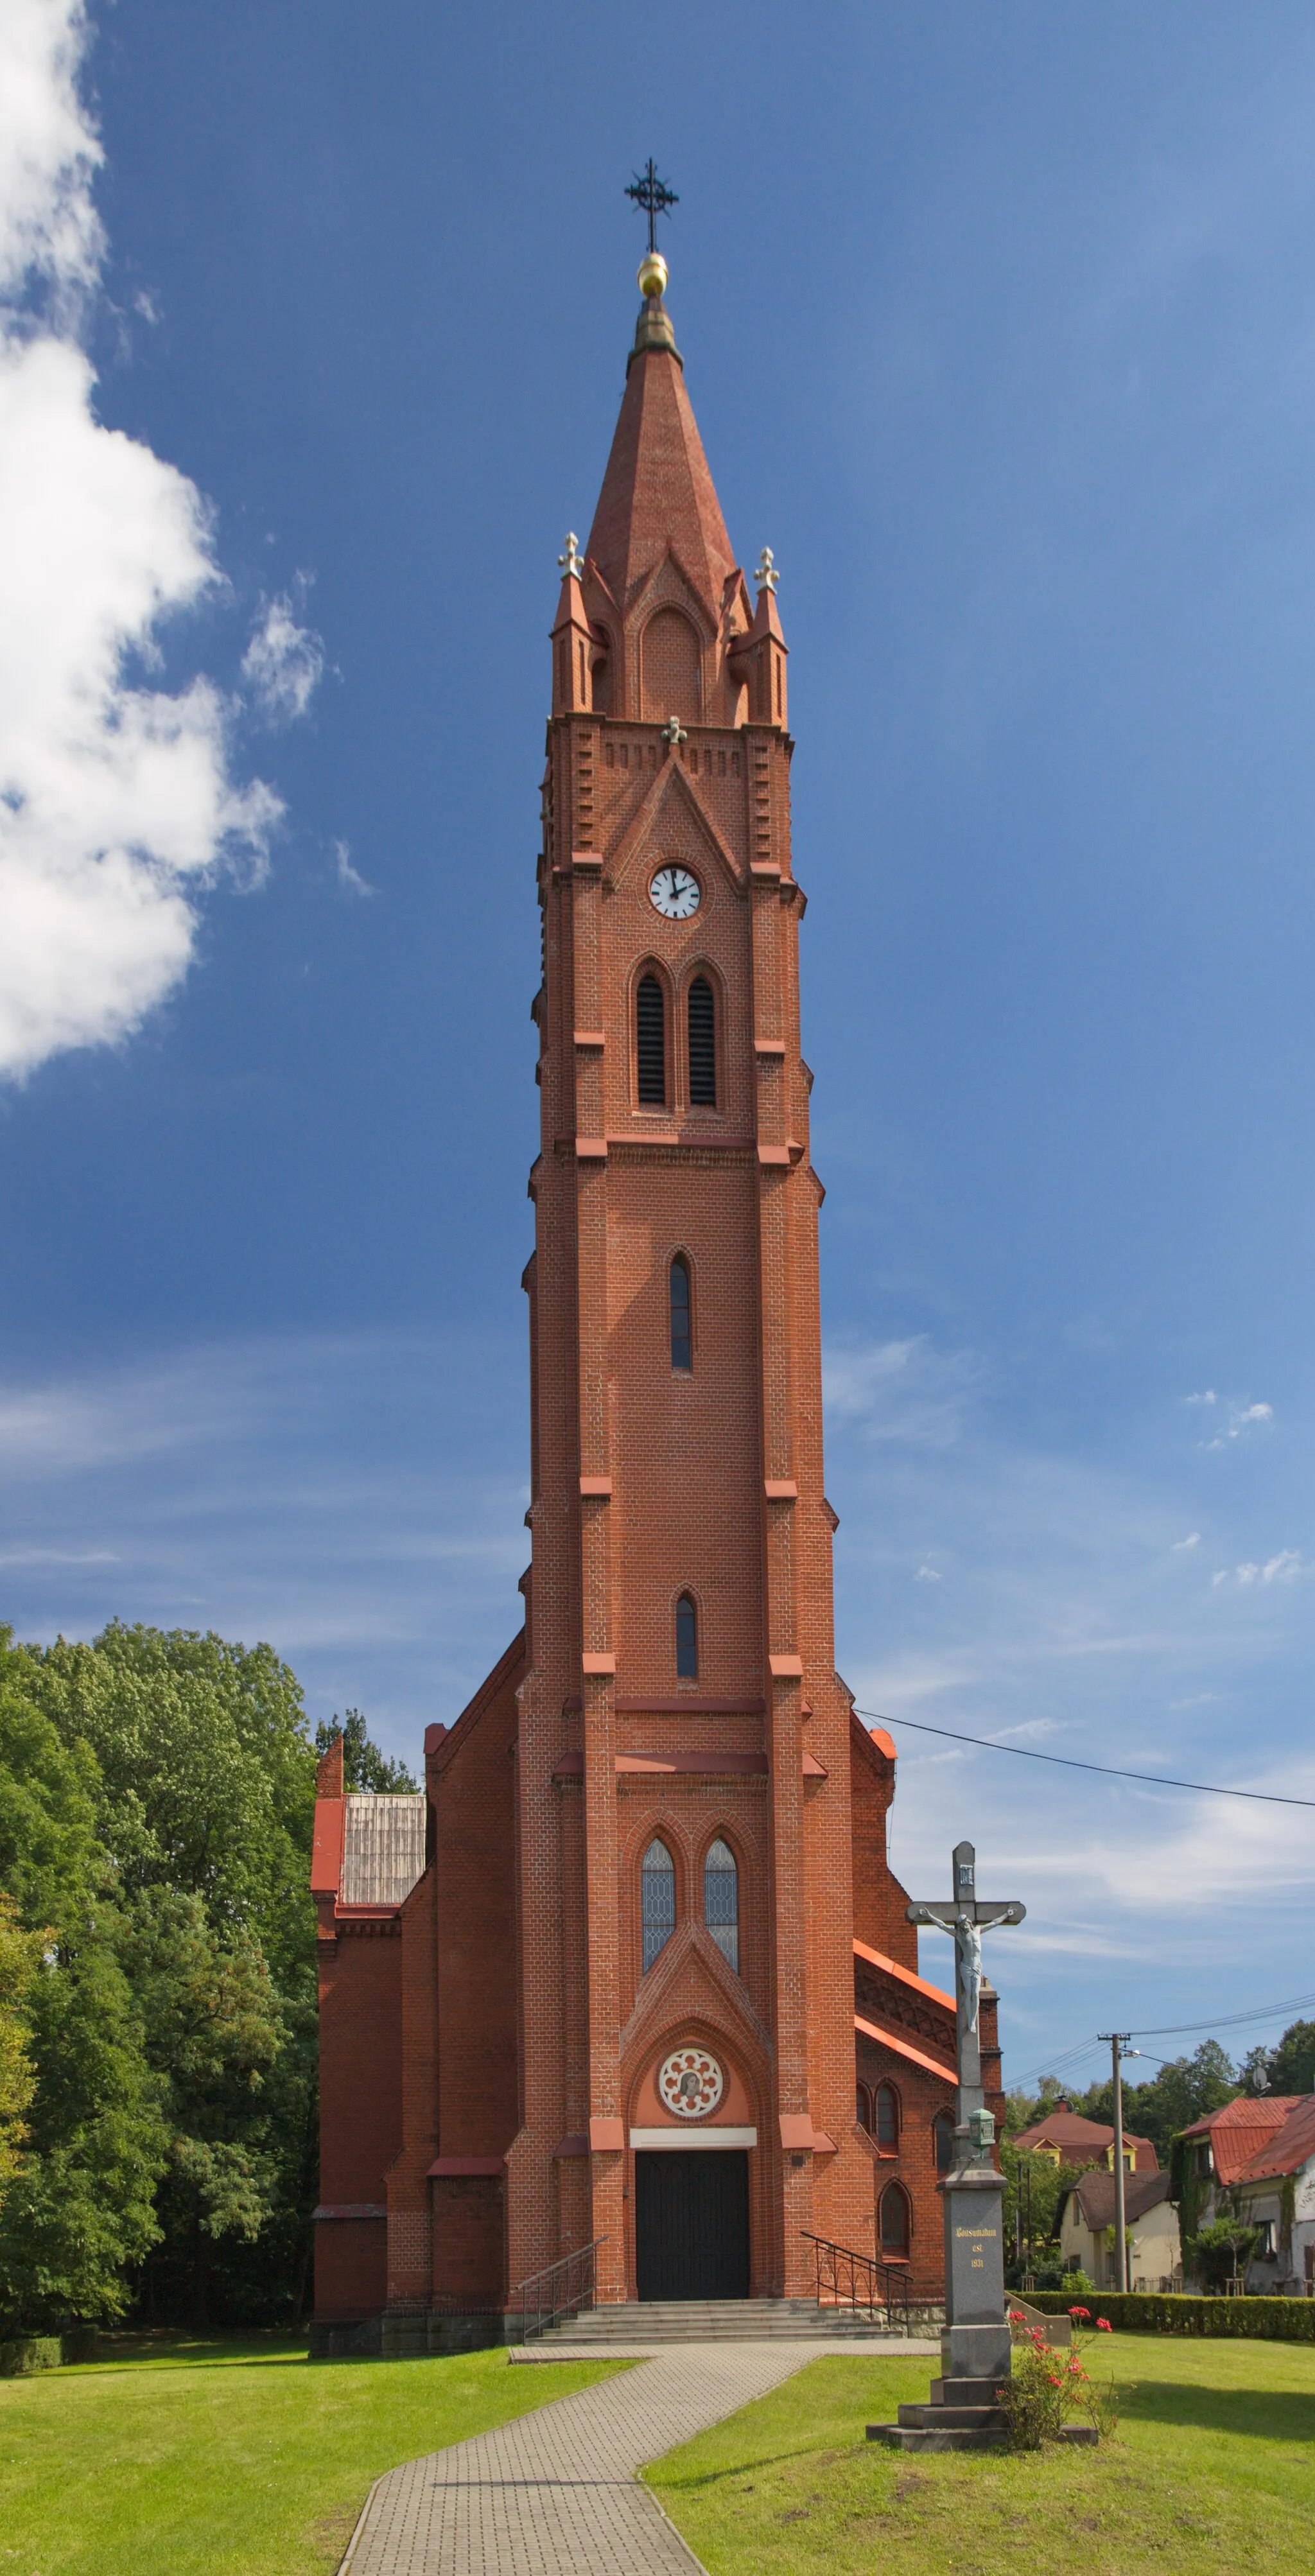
<point>674,893</point>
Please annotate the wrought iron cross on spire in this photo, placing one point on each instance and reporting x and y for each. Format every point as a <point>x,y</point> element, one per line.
<point>967,1916</point>
<point>653,197</point>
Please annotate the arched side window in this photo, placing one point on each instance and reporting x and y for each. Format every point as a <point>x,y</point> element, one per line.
<point>721,1901</point>
<point>687,1639</point>
<point>887,2120</point>
<point>682,1347</point>
<point>657,1882</point>
<point>651,1043</point>
<point>863,2111</point>
<point>942,2130</point>
<point>702,1045</point>
<point>894,2222</point>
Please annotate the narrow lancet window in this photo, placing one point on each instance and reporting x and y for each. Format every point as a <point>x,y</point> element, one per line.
<point>651,1043</point>
<point>682,1348</point>
<point>702,1045</point>
<point>657,1881</point>
<point>687,1640</point>
<point>721,1901</point>
<point>894,2222</point>
<point>887,2119</point>
<point>942,2129</point>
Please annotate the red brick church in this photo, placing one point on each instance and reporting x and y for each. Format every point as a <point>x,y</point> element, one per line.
<point>632,1971</point>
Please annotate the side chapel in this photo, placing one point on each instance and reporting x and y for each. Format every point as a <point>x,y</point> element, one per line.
<point>632,1971</point>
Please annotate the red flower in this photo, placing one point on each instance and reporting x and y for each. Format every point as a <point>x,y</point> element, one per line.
<point>1016,2317</point>
<point>1103,2326</point>
<point>1085,2313</point>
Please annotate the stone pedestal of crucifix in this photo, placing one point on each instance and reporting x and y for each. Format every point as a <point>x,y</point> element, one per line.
<point>963,2412</point>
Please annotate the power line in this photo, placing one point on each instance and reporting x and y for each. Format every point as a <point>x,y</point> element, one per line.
<point>1171,2030</point>
<point>1225,2021</point>
<point>1068,1762</point>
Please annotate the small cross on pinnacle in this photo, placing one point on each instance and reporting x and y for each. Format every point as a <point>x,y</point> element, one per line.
<point>767,575</point>
<point>653,198</point>
<point>572,561</point>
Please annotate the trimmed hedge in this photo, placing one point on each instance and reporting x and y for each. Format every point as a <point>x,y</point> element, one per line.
<point>27,2353</point>
<point>1177,2312</point>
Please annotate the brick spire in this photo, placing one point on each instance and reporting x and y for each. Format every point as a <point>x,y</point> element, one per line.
<point>658,496</point>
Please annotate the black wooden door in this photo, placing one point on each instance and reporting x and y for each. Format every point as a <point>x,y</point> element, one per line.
<point>692,2223</point>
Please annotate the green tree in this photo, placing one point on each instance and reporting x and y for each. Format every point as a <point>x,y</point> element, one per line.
<point>21,1955</point>
<point>1288,2067</point>
<point>364,1766</point>
<point>1220,2252</point>
<point>80,2210</point>
<point>212,2032</point>
<point>197,1782</point>
<point>1183,2091</point>
<point>206,1770</point>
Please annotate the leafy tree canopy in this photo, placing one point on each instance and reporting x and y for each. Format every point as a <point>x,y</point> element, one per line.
<point>22,1955</point>
<point>1183,2091</point>
<point>1288,2067</point>
<point>363,1765</point>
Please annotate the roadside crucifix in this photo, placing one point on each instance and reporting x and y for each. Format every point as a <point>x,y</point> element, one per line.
<point>976,2342</point>
<point>966,1917</point>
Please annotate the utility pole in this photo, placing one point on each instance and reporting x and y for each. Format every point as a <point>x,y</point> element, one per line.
<point>1118,2040</point>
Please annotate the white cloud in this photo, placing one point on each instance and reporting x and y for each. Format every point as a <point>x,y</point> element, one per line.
<point>350,878</point>
<point>1242,1418</point>
<point>117,799</point>
<point>283,662</point>
<point>1181,1545</point>
<point>1283,1568</point>
<point>1280,1569</point>
<point>49,152</point>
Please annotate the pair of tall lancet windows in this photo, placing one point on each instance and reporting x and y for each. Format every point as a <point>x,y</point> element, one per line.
<point>721,1900</point>
<point>651,1043</point>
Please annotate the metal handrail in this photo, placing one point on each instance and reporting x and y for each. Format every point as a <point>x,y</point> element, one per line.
<point>848,2279</point>
<point>556,2292</point>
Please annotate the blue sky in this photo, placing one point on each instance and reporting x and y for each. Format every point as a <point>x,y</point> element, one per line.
<point>1000,328</point>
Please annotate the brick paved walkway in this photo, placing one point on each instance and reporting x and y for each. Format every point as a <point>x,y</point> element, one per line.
<point>555,2492</point>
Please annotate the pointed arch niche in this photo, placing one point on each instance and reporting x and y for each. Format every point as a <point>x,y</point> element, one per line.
<point>671,668</point>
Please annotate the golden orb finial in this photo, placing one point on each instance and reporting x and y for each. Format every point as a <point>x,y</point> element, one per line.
<point>652,273</point>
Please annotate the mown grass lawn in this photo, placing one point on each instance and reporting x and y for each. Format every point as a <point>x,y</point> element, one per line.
<point>1212,2468</point>
<point>229,2458</point>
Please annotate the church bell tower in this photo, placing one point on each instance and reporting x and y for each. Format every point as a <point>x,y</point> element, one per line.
<point>628,1997</point>
<point>684,1743</point>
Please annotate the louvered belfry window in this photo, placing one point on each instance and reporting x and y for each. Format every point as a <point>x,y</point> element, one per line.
<point>682,1348</point>
<point>702,1045</point>
<point>657,1880</point>
<point>721,1901</point>
<point>651,1043</point>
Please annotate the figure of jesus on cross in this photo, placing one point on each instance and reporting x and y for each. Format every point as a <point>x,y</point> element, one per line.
<point>966,1917</point>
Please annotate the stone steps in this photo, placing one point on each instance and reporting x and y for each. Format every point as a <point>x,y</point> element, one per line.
<point>724,2320</point>
<point>960,2415</point>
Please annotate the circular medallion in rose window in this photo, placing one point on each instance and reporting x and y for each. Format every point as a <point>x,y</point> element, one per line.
<point>690,2083</point>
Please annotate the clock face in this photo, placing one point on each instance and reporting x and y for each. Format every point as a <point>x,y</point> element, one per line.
<point>674,893</point>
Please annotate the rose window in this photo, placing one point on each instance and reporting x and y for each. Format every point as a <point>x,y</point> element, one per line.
<point>690,2083</point>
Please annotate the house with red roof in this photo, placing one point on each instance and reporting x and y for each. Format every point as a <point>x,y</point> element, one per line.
<point>1067,2139</point>
<point>1257,2156</point>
